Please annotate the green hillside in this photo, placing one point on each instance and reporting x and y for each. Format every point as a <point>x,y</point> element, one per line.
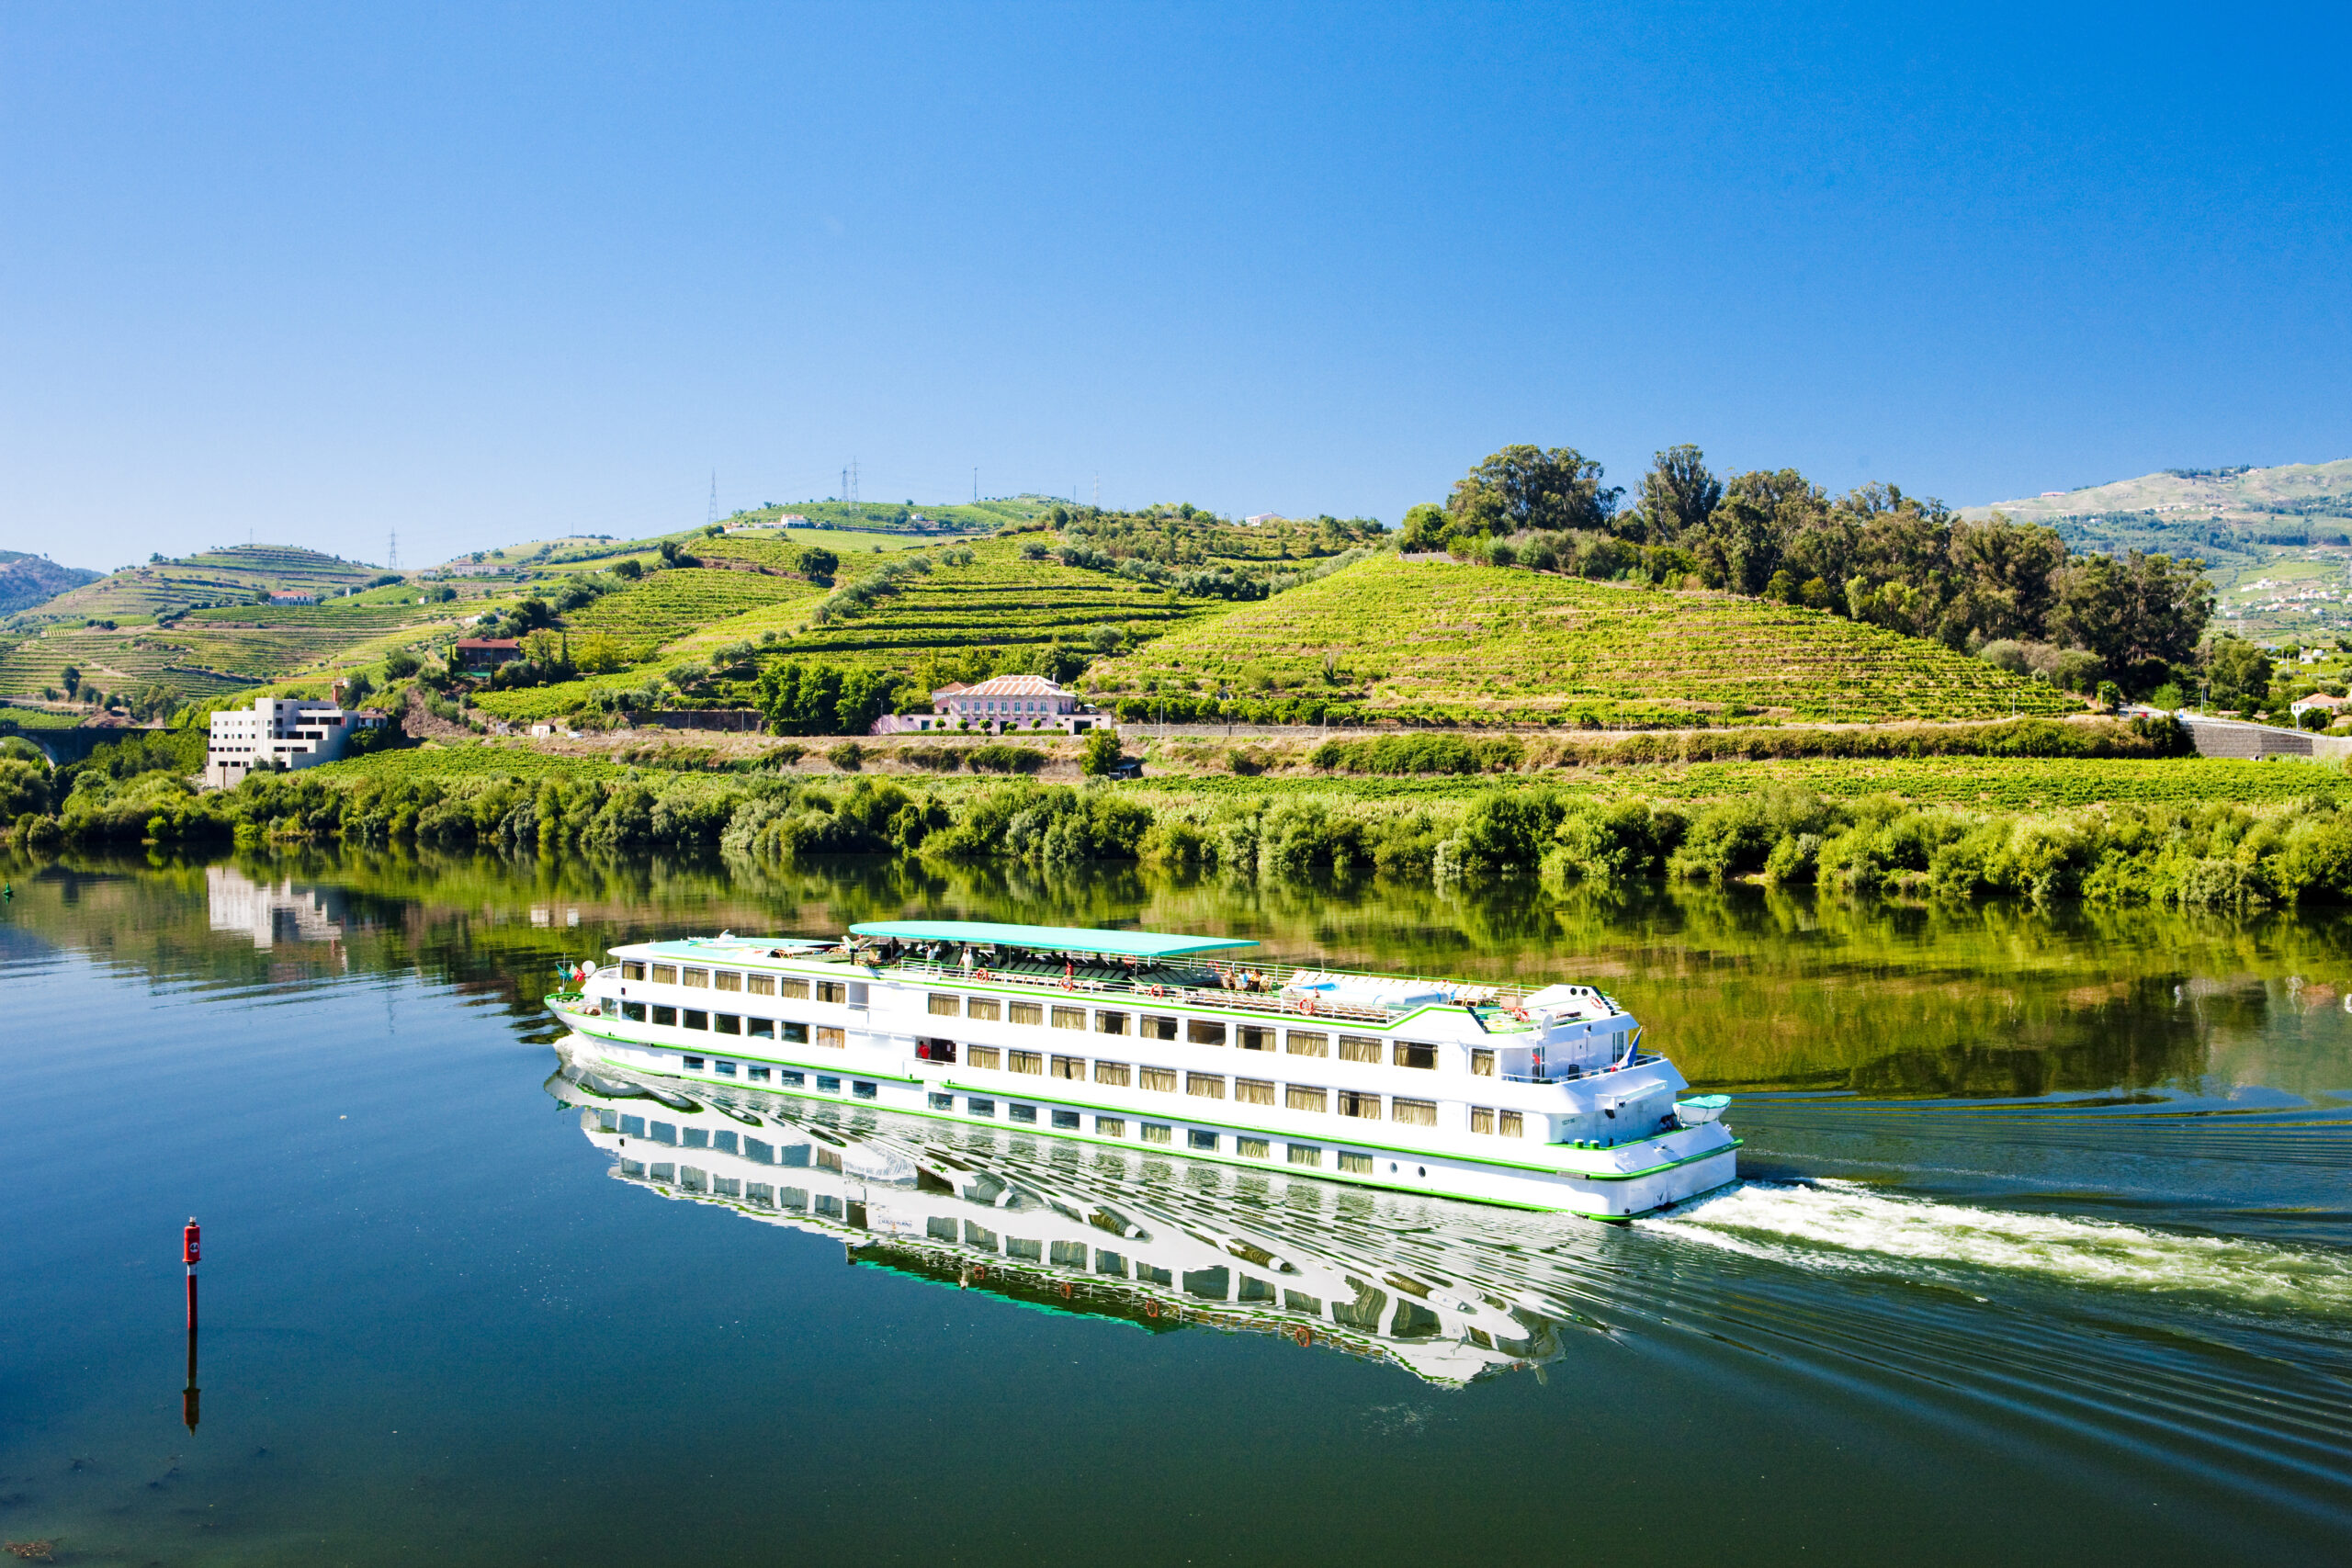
<point>231,575</point>
<point>668,605</point>
<point>27,581</point>
<point>1470,644</point>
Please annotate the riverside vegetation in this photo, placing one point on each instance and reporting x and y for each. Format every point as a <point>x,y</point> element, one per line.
<point>2204,852</point>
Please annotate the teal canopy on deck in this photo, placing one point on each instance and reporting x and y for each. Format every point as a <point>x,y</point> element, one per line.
<point>1059,938</point>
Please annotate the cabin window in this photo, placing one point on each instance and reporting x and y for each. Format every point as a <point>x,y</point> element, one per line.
<point>863,1090</point>
<point>829,1086</point>
<point>1066,1254</point>
<point>1359,1048</point>
<point>1027,1062</point>
<point>1299,1096</point>
<point>632,970</point>
<point>1255,1039</point>
<point>1070,1068</point>
<point>1252,1148</point>
<point>1067,1121</point>
<point>1157,1133</point>
<point>1112,1073</point>
<point>1482,1063</point>
<point>691,976</point>
<point>832,991</point>
<point>797,989</point>
<point>1482,1118</point>
<point>832,1039</point>
<point>632,1126</point>
<point>830,1208</point>
<point>1204,1142</point>
<point>697,1138</point>
<point>979,1236</point>
<point>1512,1127</point>
<point>726,1023</point>
<point>759,1075</point>
<point>1253,1092</point>
<point>979,1106</point>
<point>664,1171</point>
<point>698,1019</point>
<point>726,980</point>
<point>1366,1106</point>
<point>946,1006</point>
<point>1203,1032</point>
<point>1110,1263</point>
<point>1307,1154</point>
<point>1027,1013</point>
<point>793,1198</point>
<point>1069,1017</point>
<point>665,974</point>
<point>760,1028</point>
<point>1110,1023</point>
<point>667,1017</point>
<point>1208,1086</point>
<point>1412,1054</point>
<point>1251,1290</point>
<point>664,1132</point>
<point>1153,1026</point>
<point>1161,1079</point>
<point>986,1056</point>
<point>761,1193</point>
<point>1020,1114</point>
<point>943,1101</point>
<point>760,985</point>
<point>985,1008</point>
<point>1413,1112</point>
<point>633,1011</point>
<point>1355,1165</point>
<point>794,1033</point>
<point>1308,1043</point>
<point>1027,1251</point>
<point>1111,1126</point>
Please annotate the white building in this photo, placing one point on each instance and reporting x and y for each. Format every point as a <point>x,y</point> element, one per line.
<point>999,703</point>
<point>282,733</point>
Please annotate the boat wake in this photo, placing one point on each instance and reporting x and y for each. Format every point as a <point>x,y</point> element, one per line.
<point>1844,1225</point>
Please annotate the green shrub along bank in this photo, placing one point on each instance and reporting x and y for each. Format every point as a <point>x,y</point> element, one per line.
<point>2199,854</point>
<point>1442,754</point>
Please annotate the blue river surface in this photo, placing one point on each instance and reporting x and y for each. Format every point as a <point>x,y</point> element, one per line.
<point>2041,1252</point>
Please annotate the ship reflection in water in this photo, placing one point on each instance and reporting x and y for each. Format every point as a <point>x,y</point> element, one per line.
<point>1160,1242</point>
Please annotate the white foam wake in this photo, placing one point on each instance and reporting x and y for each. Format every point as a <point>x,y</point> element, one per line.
<point>1842,1224</point>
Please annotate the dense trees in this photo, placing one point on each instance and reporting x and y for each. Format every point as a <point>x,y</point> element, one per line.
<point>1874,555</point>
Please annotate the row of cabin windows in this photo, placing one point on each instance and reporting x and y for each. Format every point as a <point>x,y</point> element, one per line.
<point>780,1030</point>
<point>785,1077</point>
<point>1203,1032</point>
<point>1206,1085</point>
<point>749,984</point>
<point>1196,1138</point>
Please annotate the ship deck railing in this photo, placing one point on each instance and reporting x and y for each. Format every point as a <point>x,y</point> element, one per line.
<point>1566,1074</point>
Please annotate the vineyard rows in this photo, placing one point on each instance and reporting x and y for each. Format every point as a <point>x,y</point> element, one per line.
<point>1468,641</point>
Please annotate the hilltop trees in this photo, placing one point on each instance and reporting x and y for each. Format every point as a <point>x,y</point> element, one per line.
<point>1908,564</point>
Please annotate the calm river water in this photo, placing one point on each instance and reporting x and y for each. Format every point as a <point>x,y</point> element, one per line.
<point>2041,1253</point>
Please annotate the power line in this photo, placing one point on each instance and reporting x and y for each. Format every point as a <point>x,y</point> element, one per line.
<point>976,487</point>
<point>393,550</point>
<point>712,515</point>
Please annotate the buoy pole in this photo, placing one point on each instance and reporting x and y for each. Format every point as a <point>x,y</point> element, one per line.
<point>191,1250</point>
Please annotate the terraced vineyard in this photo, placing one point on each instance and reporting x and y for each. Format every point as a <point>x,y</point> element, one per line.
<point>668,605</point>
<point>224,650</point>
<point>210,577</point>
<point>1477,644</point>
<point>998,599</point>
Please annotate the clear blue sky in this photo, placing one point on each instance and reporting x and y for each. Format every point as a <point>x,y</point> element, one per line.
<point>485,273</point>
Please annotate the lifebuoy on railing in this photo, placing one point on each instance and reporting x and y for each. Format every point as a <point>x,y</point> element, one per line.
<point>1305,1335</point>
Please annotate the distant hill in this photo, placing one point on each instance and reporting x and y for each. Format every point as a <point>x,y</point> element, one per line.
<point>2275,541</point>
<point>227,576</point>
<point>2278,505</point>
<point>28,580</point>
<point>1469,644</point>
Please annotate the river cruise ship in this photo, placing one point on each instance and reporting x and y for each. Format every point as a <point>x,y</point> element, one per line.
<point>1541,1100</point>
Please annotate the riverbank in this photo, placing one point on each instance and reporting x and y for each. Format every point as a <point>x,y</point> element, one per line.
<point>2183,832</point>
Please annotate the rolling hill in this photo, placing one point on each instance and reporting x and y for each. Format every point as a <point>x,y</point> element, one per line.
<point>227,576</point>
<point>1445,642</point>
<point>27,581</point>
